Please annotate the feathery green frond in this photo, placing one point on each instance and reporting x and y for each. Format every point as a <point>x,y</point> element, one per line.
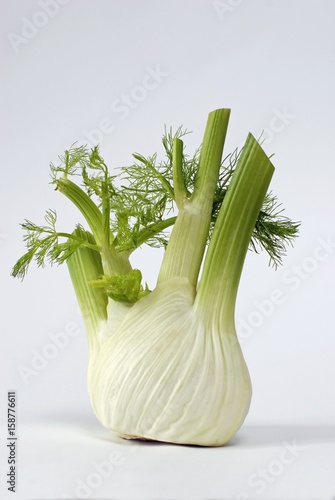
<point>138,205</point>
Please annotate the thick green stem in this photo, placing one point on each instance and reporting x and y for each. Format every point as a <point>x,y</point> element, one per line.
<point>177,167</point>
<point>231,236</point>
<point>106,207</point>
<point>115,263</point>
<point>188,239</point>
<point>86,206</point>
<point>112,262</point>
<point>85,265</point>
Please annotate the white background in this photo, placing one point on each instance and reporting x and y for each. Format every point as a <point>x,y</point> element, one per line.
<point>68,67</point>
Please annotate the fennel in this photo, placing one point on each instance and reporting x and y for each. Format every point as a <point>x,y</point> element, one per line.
<point>166,364</point>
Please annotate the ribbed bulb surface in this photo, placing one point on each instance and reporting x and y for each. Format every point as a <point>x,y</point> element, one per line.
<point>165,374</point>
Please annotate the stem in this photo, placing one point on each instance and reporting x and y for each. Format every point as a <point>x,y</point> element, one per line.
<point>151,230</point>
<point>112,262</point>
<point>86,206</point>
<point>232,232</point>
<point>85,265</point>
<point>106,232</point>
<point>188,239</point>
<point>115,263</point>
<point>177,167</point>
<point>85,243</point>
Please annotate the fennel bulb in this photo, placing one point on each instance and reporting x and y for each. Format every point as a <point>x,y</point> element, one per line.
<point>165,364</point>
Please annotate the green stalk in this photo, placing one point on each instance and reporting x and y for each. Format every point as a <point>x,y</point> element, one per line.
<point>188,239</point>
<point>86,206</point>
<point>74,237</point>
<point>115,263</point>
<point>112,262</point>
<point>106,221</point>
<point>180,191</point>
<point>151,230</point>
<point>232,232</point>
<point>85,265</point>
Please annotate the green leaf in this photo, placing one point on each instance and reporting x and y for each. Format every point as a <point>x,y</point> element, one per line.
<point>122,287</point>
<point>44,244</point>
